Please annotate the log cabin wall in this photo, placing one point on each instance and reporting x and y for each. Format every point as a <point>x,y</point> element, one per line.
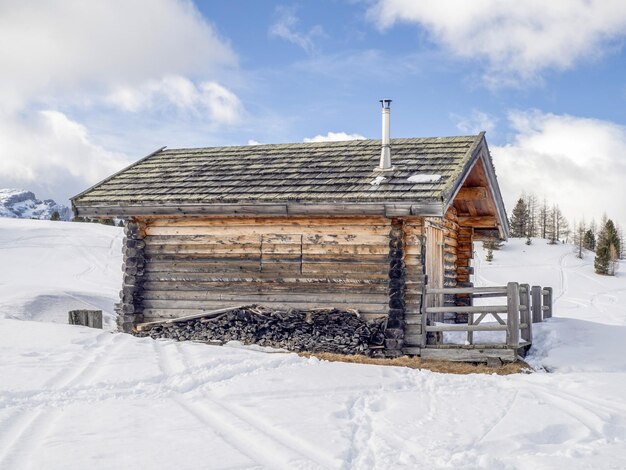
<point>129,310</point>
<point>198,264</point>
<point>413,243</point>
<point>451,236</point>
<point>465,253</point>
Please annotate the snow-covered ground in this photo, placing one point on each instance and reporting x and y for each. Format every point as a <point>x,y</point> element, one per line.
<point>75,398</point>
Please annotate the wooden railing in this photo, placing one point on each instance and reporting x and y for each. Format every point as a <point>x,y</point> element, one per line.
<point>523,307</point>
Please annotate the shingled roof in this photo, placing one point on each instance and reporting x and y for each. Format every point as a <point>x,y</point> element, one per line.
<point>305,173</point>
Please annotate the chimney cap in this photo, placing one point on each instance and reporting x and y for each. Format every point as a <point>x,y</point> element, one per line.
<point>385,103</point>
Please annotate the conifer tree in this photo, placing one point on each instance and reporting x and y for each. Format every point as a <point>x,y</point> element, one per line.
<point>55,216</point>
<point>589,241</point>
<point>531,210</point>
<point>493,244</point>
<point>519,219</point>
<point>607,248</point>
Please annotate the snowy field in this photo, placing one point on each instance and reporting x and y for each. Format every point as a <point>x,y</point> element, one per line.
<point>76,398</point>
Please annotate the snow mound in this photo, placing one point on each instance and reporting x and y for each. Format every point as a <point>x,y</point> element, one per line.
<point>21,204</point>
<point>49,268</point>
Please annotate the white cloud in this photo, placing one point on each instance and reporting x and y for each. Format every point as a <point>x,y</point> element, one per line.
<point>476,122</point>
<point>63,47</point>
<point>52,155</point>
<point>253,142</point>
<point>579,163</point>
<point>518,40</point>
<point>334,137</point>
<point>79,58</point>
<point>286,26</point>
<point>209,97</point>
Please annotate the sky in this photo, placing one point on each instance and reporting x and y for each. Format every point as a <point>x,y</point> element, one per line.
<point>87,88</point>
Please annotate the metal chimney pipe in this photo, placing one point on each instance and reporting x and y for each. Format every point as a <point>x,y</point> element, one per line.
<point>385,151</point>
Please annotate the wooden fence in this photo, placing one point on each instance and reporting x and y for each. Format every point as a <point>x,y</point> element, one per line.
<point>521,304</point>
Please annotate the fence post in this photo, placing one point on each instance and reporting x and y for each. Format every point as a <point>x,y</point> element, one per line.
<point>512,320</point>
<point>525,317</point>
<point>537,314</point>
<point>90,318</point>
<point>547,302</point>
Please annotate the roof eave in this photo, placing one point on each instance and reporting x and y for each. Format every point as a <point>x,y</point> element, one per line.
<point>479,151</point>
<point>430,207</point>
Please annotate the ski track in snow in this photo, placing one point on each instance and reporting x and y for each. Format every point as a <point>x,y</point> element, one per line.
<point>248,435</point>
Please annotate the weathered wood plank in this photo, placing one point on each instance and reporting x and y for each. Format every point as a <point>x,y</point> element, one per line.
<point>468,355</point>
<point>476,309</point>
<point>265,296</point>
<point>468,290</point>
<point>286,289</point>
<point>261,276</point>
<point>252,221</point>
<point>480,327</point>
<point>339,230</point>
<point>512,320</point>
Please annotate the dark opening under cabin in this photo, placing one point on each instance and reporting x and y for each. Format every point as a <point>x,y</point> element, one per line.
<point>385,228</point>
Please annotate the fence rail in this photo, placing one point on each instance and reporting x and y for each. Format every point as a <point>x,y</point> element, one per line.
<point>524,306</point>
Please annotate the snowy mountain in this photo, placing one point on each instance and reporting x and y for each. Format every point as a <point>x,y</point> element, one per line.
<point>74,397</point>
<point>21,204</point>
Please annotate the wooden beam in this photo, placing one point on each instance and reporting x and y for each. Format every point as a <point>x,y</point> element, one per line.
<point>478,222</point>
<point>471,194</point>
<point>388,209</point>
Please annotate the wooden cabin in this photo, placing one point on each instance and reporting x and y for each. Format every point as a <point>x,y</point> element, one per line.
<point>302,225</point>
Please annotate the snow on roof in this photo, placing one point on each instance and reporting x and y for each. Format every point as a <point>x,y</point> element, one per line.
<point>424,178</point>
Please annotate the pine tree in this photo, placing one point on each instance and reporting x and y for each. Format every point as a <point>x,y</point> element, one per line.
<point>531,208</point>
<point>589,240</point>
<point>120,223</point>
<point>602,259</point>
<point>489,256</point>
<point>55,216</point>
<point>494,244</point>
<point>612,236</point>
<point>607,248</point>
<point>519,219</point>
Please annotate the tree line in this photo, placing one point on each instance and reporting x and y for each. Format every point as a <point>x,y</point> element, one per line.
<point>533,219</point>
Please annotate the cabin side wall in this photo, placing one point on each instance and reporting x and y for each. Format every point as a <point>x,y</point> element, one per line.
<point>192,265</point>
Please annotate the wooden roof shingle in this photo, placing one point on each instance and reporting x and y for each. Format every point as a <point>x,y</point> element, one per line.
<point>323,172</point>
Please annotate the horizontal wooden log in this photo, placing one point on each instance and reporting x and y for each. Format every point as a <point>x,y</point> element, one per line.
<point>264,296</point>
<point>257,209</point>
<point>467,290</point>
<point>204,258</point>
<point>269,229</point>
<point>252,221</point>
<point>411,339</point>
<point>468,355</point>
<point>478,221</point>
<point>477,309</point>
<point>267,287</point>
<point>479,327</point>
<point>469,194</point>
<point>265,276</point>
